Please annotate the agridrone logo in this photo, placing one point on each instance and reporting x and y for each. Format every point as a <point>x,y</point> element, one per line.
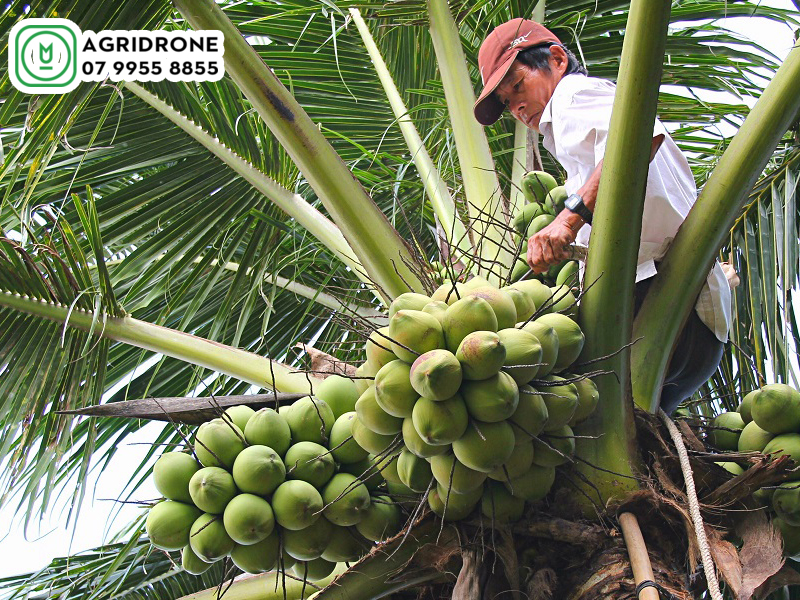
<point>53,56</point>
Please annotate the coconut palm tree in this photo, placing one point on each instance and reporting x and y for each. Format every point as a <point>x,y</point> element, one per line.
<point>214,225</point>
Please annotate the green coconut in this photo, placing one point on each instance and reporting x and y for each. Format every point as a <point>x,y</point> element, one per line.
<point>535,290</point>
<point>549,341</point>
<point>240,415</point>
<point>385,463</point>
<point>534,484</point>
<point>522,302</point>
<point>491,400</point>
<point>525,216</point>
<point>368,439</point>
<point>536,185</point>
<point>746,406</point>
<point>345,545</point>
<point>192,563</point>
<point>416,445</point>
<point>314,570</point>
<point>269,428</point>
<point>554,447</point>
<point>785,444</point>
<point>379,348</point>
<point>308,543</point>
<point>364,377</point>
<point>452,506</point>
<point>211,488</point>
<point>570,339</point>
<point>485,446</point>
<point>499,505</point>
<point>414,472</point>
<point>381,520</point>
<point>561,399</point>
<point>437,308</point>
<point>365,471</point>
<point>517,464</point>
<point>408,301</point>
<point>310,462</point>
<point>339,393</point>
<point>538,224</point>
<point>452,474</point>
<point>502,304</point>
<point>248,519</point>
<point>722,438</point>
<point>481,355</point>
<point>531,415</point>
<point>588,397</point>
<point>171,475</point>
<point>731,467</point>
<point>563,300</point>
<point>218,443</point>
<point>393,390</point>
<point>258,470</point>
<point>296,504</point>
<point>568,274</point>
<point>471,313</point>
<point>449,293</point>
<point>259,557</point>
<point>554,201</point>
<point>440,423</point>
<point>414,332</point>
<point>346,500</point>
<point>436,375</point>
<point>310,420</point>
<point>753,438</point>
<point>776,408</point>
<point>790,535</point>
<point>169,522</point>
<point>374,417</point>
<point>208,538</point>
<point>786,502</point>
<point>523,354</point>
<point>343,446</point>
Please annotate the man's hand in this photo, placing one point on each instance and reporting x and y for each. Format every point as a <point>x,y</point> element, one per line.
<point>551,245</point>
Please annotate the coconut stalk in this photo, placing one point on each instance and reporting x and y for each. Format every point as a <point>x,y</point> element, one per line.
<point>379,248</point>
<point>234,362</point>
<point>606,311</point>
<point>488,210</point>
<point>435,187</point>
<point>684,269</point>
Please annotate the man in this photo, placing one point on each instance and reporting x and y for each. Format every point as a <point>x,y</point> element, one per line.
<point>525,68</point>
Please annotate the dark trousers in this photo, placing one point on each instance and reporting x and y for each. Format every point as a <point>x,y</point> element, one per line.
<point>696,357</point>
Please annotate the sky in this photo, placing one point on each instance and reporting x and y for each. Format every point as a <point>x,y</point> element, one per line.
<point>25,552</point>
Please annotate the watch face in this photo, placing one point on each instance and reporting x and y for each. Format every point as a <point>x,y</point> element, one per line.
<point>573,201</point>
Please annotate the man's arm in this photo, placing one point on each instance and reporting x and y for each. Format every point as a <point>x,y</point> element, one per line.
<point>551,245</point>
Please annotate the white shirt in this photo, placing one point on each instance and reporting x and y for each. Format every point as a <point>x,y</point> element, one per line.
<point>574,128</point>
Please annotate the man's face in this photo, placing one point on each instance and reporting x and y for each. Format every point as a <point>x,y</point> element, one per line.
<point>525,92</point>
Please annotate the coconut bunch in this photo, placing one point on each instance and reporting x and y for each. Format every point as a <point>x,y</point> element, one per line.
<point>767,420</point>
<point>288,488</point>
<point>469,397</point>
<point>544,199</point>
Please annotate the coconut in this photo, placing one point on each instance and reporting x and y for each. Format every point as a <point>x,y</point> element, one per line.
<point>208,538</point>
<point>240,415</point>
<point>485,446</point>
<point>171,475</point>
<point>368,439</point>
<point>499,505</point>
<point>169,522</point>
<point>314,570</point>
<point>339,393</point>
<point>414,472</point>
<point>523,354</point>
<point>414,332</point>
<point>722,438</point>
<point>563,300</point>
<point>538,224</point>
<point>785,444</point>
<point>493,399</point>
<point>440,423</point>
<point>408,301</point>
<point>746,406</point>
<point>269,428</point>
<point>786,502</point>
<point>535,290</point>
<point>296,504</point>
<point>449,293</point>
<point>310,420</point>
<point>346,500</point>
<point>309,462</point>
<point>731,467</point>
<point>554,447</point>
<point>211,488</point>
<point>365,471</point>
<point>570,339</point>
<point>481,354</point>
<point>259,557</point>
<point>248,519</point>
<point>364,377</point>
<point>502,304</point>
<point>381,520</point>
<point>454,507</point>
<point>386,464</point>
<point>534,484</point>
<point>345,545</point>
<point>374,417</point>
<point>525,216</point>
<point>522,302</point>
<point>393,390</point>
<point>753,438</point>
<point>436,308</point>
<point>192,563</point>
<point>536,185</point>
<point>258,470</point>
<point>379,348</point>
<point>342,444</point>
<point>416,445</point>
<point>561,400</point>
<point>452,474</point>
<point>776,408</point>
<point>531,415</point>
<point>588,396</point>
<point>549,341</point>
<point>471,313</point>
<point>517,464</point>
<point>218,443</point>
<point>436,375</point>
<point>790,535</point>
<point>308,543</point>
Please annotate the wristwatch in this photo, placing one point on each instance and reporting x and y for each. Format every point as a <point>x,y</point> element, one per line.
<point>575,203</point>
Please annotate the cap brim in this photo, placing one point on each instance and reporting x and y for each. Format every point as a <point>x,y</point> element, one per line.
<point>487,108</point>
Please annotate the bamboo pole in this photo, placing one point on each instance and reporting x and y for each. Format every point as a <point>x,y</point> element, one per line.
<point>637,553</point>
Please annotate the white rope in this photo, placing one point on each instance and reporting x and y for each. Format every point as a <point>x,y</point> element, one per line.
<point>694,507</point>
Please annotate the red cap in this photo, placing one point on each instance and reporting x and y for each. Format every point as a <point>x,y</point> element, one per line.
<point>495,57</point>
